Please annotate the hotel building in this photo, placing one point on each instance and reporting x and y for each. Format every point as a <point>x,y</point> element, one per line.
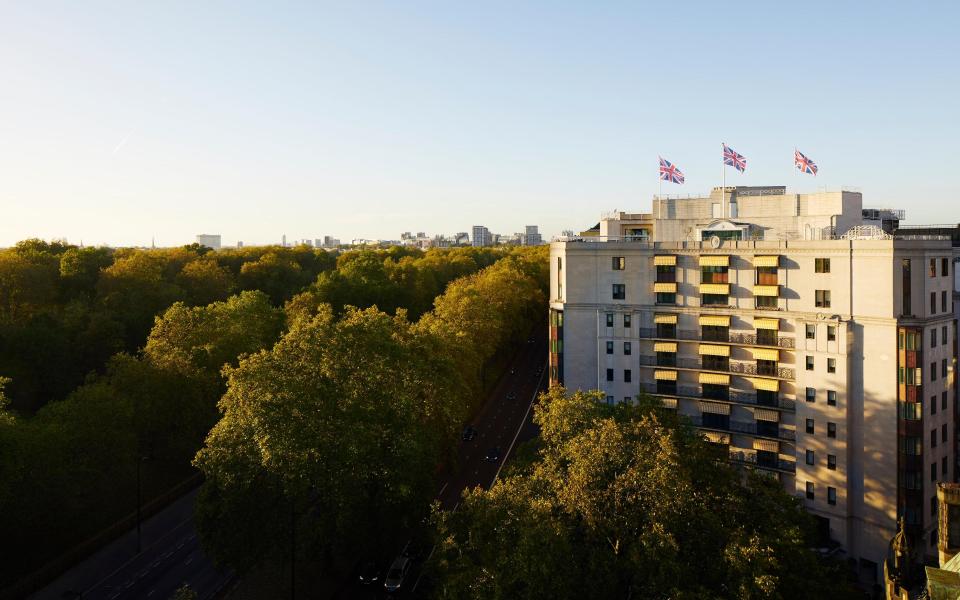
<point>794,330</point>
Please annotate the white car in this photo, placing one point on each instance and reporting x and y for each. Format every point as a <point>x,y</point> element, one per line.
<point>398,571</point>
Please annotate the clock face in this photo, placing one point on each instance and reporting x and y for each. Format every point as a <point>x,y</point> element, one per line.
<point>715,241</point>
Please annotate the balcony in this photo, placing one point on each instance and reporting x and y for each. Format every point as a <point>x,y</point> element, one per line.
<point>743,339</point>
<point>744,398</point>
<point>750,459</point>
<point>737,368</point>
<point>747,427</point>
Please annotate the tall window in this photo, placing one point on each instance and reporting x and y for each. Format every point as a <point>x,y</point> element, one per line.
<point>627,376</point>
<point>831,365</point>
<point>933,267</point>
<point>810,493</point>
<point>831,430</point>
<point>821,265</point>
<point>811,394</point>
<point>809,363</point>
<point>811,428</point>
<point>943,301</point>
<point>933,303</point>
<point>831,397</point>
<point>822,298</point>
<point>619,291</point>
<point>944,267</point>
<point>905,286</point>
<point>627,320</point>
<point>811,330</point>
<point>619,263</point>
<point>933,338</point>
<point>609,374</point>
<point>627,349</point>
<point>832,462</point>
<point>831,333</point>
<point>831,495</point>
<point>609,347</point>
<point>811,457</point>
<point>609,319</point>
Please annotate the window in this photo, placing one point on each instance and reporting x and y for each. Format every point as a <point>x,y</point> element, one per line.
<point>943,401</point>
<point>933,371</point>
<point>609,347</point>
<point>933,438</point>
<point>609,319</point>
<point>619,291</point>
<point>943,301</point>
<point>811,457</point>
<point>821,265</point>
<point>627,348</point>
<point>822,298</point>
<point>933,338</point>
<point>943,466</point>
<point>627,376</point>
<point>831,495</point>
<point>933,471</point>
<point>910,445</point>
<point>811,394</point>
<point>666,298</point>
<point>831,430</point>
<point>831,365</point>
<point>811,331</point>
<point>944,267</point>
<point>933,267</point>
<point>943,368</point>
<point>610,400</point>
<point>943,433</point>
<point>809,363</point>
<point>933,303</point>
<point>810,427</point>
<point>831,397</point>
<point>609,374</point>
<point>933,506</point>
<point>831,333</point>
<point>933,405</point>
<point>943,335</point>
<point>619,262</point>
<point>832,462</point>
<point>627,321</point>
<point>907,299</point>
<point>809,490</point>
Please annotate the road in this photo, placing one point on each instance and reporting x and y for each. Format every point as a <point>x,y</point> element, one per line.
<point>171,557</point>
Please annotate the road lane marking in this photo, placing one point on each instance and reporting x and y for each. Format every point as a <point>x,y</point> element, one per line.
<point>517,434</point>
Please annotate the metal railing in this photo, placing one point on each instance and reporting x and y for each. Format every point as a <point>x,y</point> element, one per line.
<point>750,458</point>
<point>737,368</point>
<point>744,398</point>
<point>746,339</point>
<point>745,368</point>
<point>747,427</point>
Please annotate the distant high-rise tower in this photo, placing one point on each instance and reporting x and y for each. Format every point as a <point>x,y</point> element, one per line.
<point>283,240</point>
<point>211,241</point>
<point>481,236</point>
<point>531,237</point>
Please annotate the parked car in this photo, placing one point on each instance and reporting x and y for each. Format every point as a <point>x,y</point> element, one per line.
<point>493,454</point>
<point>370,573</point>
<point>398,571</point>
<point>468,433</point>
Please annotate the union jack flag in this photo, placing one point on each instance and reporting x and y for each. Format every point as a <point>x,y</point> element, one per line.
<point>731,158</point>
<point>804,164</point>
<point>670,172</point>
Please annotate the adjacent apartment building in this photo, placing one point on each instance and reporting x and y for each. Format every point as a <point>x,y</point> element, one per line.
<point>807,344</point>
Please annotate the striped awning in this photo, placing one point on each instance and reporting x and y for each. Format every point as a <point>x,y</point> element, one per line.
<point>665,375</point>
<point>766,261</point>
<point>715,437</point>
<point>766,385</point>
<point>714,260</point>
<point>714,378</point>
<point>665,347</point>
<point>765,354</point>
<point>715,408</point>
<point>665,319</point>
<point>662,287</point>
<point>669,402</point>
<point>765,414</point>
<point>715,320</point>
<point>711,350</point>
<point>664,260</point>
<point>766,290</point>
<point>715,288</point>
<point>766,323</point>
<point>766,445</point>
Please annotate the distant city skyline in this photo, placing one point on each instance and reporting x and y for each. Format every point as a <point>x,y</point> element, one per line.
<point>119,123</point>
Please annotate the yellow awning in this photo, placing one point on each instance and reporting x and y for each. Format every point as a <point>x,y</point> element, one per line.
<point>715,288</point>
<point>766,445</point>
<point>669,402</point>
<point>664,260</point>
<point>665,288</point>
<point>765,414</point>
<point>665,375</point>
<point>715,320</point>
<point>766,385</point>
<point>765,354</point>
<point>715,408</point>
<point>766,261</point>
<point>665,347</point>
<point>711,350</point>
<point>766,290</point>
<point>714,260</point>
<point>766,323</point>
<point>716,437</point>
<point>714,378</point>
<point>666,319</point>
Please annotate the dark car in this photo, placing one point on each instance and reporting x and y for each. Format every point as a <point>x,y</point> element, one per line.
<point>511,396</point>
<point>493,454</point>
<point>395,576</point>
<point>468,433</point>
<point>370,573</point>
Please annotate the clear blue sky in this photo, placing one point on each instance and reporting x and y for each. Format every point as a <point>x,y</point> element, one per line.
<point>125,120</point>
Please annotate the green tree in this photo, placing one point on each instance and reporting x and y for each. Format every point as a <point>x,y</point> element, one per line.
<point>627,501</point>
<point>204,281</point>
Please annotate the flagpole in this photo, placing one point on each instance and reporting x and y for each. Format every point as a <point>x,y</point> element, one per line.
<point>723,190</point>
